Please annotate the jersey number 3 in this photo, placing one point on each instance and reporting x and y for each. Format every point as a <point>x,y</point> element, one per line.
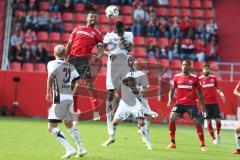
<point>67,72</point>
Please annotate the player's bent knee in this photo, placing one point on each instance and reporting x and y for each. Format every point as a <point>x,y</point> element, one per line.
<point>173,116</point>
<point>141,123</point>
<point>115,122</point>
<point>68,124</point>
<point>238,129</point>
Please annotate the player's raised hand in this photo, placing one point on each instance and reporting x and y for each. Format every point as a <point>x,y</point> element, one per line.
<point>169,104</point>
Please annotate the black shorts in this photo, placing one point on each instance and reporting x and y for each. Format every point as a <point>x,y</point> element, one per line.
<point>54,121</point>
<point>180,109</point>
<point>213,111</point>
<point>82,65</point>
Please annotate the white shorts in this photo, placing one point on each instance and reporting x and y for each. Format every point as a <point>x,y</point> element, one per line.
<point>115,74</point>
<point>62,111</point>
<point>145,106</point>
<point>124,110</point>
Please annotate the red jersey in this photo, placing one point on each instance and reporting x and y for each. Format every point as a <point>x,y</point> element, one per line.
<point>83,40</point>
<point>209,85</point>
<point>238,86</point>
<point>186,89</point>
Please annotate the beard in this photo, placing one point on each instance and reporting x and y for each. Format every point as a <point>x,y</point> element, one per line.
<point>206,74</point>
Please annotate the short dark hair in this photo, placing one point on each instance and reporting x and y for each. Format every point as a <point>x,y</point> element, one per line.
<point>119,24</point>
<point>91,12</point>
<point>206,65</point>
<point>187,60</point>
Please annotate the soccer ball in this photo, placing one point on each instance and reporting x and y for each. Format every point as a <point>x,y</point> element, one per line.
<point>112,11</point>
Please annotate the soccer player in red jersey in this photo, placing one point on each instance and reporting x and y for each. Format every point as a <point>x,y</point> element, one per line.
<point>81,42</point>
<point>237,131</point>
<point>209,86</point>
<point>186,85</point>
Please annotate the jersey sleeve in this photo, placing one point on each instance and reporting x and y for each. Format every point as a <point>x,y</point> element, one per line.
<point>238,86</point>
<point>99,36</point>
<point>216,82</point>
<point>198,83</point>
<point>144,80</point>
<point>106,38</point>
<point>51,67</point>
<point>130,37</point>
<point>75,74</point>
<point>174,82</point>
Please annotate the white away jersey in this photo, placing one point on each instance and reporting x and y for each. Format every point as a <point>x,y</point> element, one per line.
<point>115,46</point>
<point>64,73</point>
<point>141,78</point>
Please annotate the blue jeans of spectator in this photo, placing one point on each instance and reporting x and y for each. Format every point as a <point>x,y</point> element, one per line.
<point>162,34</point>
<point>151,54</point>
<point>175,32</point>
<point>123,2</point>
<point>150,30</point>
<point>54,8</point>
<point>136,29</point>
<point>149,2</point>
<point>201,56</point>
<point>173,55</point>
<point>114,1</point>
<point>191,56</point>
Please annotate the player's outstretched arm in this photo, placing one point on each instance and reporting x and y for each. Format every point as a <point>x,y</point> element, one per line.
<point>101,47</point>
<point>200,93</point>
<point>236,92</point>
<point>170,96</point>
<point>50,80</point>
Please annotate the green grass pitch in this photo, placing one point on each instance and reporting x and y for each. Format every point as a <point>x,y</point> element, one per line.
<point>28,139</point>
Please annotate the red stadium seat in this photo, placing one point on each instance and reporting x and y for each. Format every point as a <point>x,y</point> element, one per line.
<point>153,39</point>
<point>139,51</point>
<point>51,47</point>
<point>40,67</point>
<point>15,66</point>
<point>162,41</point>
<point>113,20</point>
<point>207,4</point>
<point>42,36</point>
<point>208,14</point>
<point>198,65</point>
<point>126,10</point>
<point>44,6</point>
<point>196,3</point>
<point>103,18</point>
<point>173,3</point>
<point>54,36</point>
<point>79,7</point>
<point>127,20</point>
<point>213,65</point>
<point>65,37</point>
<point>173,12</point>
<point>68,27</point>
<point>79,17</point>
<point>197,13</point>
<point>161,12</point>
<point>103,28</point>
<point>184,3</point>
<point>139,41</point>
<point>27,67</point>
<point>67,17</point>
<point>176,63</point>
<point>164,62</point>
<point>185,12</point>
<point>152,62</point>
<point>52,14</point>
<point>141,60</point>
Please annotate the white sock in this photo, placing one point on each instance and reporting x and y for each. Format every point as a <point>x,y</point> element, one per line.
<point>114,132</point>
<point>76,136</point>
<point>237,136</point>
<point>145,133</point>
<point>60,136</point>
<point>109,115</point>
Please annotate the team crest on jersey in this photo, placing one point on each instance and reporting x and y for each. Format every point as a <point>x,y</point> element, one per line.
<point>93,33</point>
<point>190,82</point>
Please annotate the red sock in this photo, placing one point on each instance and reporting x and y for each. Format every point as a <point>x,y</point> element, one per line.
<point>172,129</point>
<point>200,133</point>
<point>75,106</point>
<point>218,126</point>
<point>210,129</point>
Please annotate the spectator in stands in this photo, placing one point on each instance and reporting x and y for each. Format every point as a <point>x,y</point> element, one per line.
<point>174,28</point>
<point>212,50</point>
<point>43,22</point>
<point>163,2</point>
<point>16,42</point>
<point>41,54</point>
<point>162,28</point>
<point>55,5</point>
<point>56,23</point>
<point>137,27</point>
<point>151,13</point>
<point>201,51</point>
<point>33,4</point>
<point>186,26</point>
<point>126,2</point>
<point>174,50</point>
<point>137,3</point>
<point>20,4</point>
<point>151,27</point>
<point>139,12</point>
<point>163,52</point>
<point>20,20</point>
<point>211,28</point>
<point>151,49</point>
<point>200,31</point>
<point>188,50</point>
<point>67,6</point>
<point>29,39</point>
<point>30,21</point>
